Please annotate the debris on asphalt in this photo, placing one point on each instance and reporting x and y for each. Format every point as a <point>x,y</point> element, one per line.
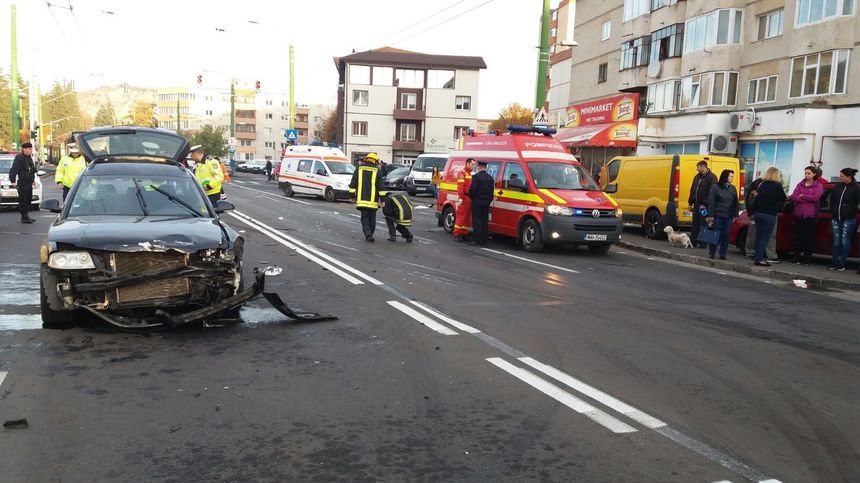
<point>175,429</point>
<point>800,283</point>
<point>218,407</point>
<point>16,424</point>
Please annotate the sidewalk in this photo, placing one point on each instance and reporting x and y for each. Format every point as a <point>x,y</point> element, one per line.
<point>816,275</point>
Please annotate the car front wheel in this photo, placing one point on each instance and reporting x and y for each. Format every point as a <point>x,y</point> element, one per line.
<point>530,236</point>
<point>329,194</point>
<point>52,319</point>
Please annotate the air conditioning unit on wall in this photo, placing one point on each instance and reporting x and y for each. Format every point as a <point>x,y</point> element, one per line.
<point>723,144</point>
<point>742,121</point>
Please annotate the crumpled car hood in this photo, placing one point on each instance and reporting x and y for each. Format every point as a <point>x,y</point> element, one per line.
<point>121,234</point>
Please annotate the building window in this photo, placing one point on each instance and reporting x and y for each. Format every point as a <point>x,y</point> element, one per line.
<point>683,148</point>
<point>814,74</point>
<point>709,89</point>
<point>383,76</point>
<point>602,71</point>
<point>762,90</point>
<point>667,42</point>
<point>460,131</point>
<point>409,78</point>
<point>440,79</point>
<point>283,145</point>
<point>408,101</point>
<point>209,112</point>
<point>407,131</point>
<point>719,27</point>
<point>285,117</point>
<point>360,98</point>
<point>635,8</point>
<point>244,142</point>
<point>553,32</point>
<point>657,4</point>
<point>268,102</point>
<point>269,115</point>
<point>463,103</point>
<point>246,128</point>
<point>635,53</point>
<point>757,157</point>
<point>770,24</point>
<point>555,15</point>
<point>270,144</point>
<point>663,96</point>
<point>359,74</point>
<point>359,128</point>
<point>812,11</point>
<point>268,130</point>
<point>606,31</point>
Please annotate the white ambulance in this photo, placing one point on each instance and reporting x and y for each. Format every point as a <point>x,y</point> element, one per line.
<point>322,171</point>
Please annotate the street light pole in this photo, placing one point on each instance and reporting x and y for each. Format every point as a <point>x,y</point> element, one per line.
<point>543,58</point>
<point>16,121</point>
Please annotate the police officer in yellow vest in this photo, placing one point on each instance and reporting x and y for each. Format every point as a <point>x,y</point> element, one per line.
<point>208,173</point>
<point>69,168</point>
<point>367,187</point>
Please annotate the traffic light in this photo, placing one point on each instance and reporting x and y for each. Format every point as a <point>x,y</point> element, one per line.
<point>257,86</point>
<point>33,134</point>
<point>199,80</point>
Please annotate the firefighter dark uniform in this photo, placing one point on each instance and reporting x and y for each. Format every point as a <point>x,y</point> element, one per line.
<point>367,186</point>
<point>398,215</point>
<point>481,194</point>
<point>463,219</point>
<point>23,175</point>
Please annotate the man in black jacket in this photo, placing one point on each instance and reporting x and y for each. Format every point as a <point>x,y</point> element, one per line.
<point>22,175</point>
<point>481,193</point>
<point>698,200</point>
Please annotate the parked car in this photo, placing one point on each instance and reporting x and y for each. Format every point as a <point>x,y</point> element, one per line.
<point>315,170</point>
<point>8,194</point>
<point>395,179</point>
<point>785,230</point>
<point>137,243</point>
<point>387,168</point>
<point>419,178</point>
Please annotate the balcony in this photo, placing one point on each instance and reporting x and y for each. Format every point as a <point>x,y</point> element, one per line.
<point>409,114</point>
<point>398,145</point>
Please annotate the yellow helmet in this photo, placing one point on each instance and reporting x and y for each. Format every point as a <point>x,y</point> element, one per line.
<point>372,157</point>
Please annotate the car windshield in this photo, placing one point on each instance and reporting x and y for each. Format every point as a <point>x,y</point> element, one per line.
<point>340,167</point>
<point>398,172</point>
<point>426,165</point>
<point>5,164</point>
<point>133,143</point>
<point>118,195</point>
<point>561,176</point>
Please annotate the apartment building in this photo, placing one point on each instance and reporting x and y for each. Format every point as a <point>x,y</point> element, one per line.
<point>774,82</point>
<point>400,104</point>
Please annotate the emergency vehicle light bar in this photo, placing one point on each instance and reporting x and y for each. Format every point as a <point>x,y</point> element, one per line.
<point>545,130</point>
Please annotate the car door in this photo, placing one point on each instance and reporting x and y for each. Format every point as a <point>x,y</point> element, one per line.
<point>303,172</point>
<point>319,178</point>
<point>507,205</point>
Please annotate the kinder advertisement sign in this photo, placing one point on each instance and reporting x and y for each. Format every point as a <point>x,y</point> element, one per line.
<point>603,111</point>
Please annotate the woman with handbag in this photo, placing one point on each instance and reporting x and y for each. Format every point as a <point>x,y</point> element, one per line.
<point>768,204</point>
<point>806,198</point>
<point>723,204</point>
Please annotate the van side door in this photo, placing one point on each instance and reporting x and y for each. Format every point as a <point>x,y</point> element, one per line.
<point>319,178</point>
<point>303,173</point>
<point>508,203</point>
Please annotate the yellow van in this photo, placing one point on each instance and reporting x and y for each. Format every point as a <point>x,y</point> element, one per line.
<point>653,190</point>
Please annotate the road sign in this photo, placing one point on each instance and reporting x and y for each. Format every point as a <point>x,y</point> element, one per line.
<point>541,118</point>
<point>291,134</point>
<point>231,142</point>
<point>232,149</point>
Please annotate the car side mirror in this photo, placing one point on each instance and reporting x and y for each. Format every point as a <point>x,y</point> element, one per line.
<point>517,184</point>
<point>611,188</point>
<point>51,205</point>
<point>223,205</point>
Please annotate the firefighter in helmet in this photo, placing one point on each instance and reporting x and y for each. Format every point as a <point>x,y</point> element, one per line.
<point>367,188</point>
<point>463,220</point>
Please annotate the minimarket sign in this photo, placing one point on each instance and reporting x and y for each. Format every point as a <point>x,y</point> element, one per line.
<point>604,111</point>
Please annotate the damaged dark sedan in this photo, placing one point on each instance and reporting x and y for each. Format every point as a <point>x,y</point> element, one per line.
<point>137,243</point>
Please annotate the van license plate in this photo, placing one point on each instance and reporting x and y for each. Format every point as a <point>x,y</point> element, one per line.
<point>593,237</point>
<point>687,214</point>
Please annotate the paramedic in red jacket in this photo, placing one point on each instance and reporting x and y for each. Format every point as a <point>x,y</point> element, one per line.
<point>463,220</point>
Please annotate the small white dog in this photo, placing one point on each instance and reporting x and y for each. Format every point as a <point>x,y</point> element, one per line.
<point>679,239</point>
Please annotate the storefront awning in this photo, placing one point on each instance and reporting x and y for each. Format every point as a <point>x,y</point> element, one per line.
<point>613,134</point>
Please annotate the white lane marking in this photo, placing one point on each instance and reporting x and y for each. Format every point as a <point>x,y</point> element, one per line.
<point>234,180</point>
<point>530,261</point>
<point>275,236</point>
<point>2,377</point>
<point>769,481</point>
<point>596,394</point>
<point>254,182</point>
<point>341,246</point>
<point>272,196</point>
<point>315,251</point>
<point>423,319</point>
<point>439,315</point>
<point>353,214</point>
<point>569,400</point>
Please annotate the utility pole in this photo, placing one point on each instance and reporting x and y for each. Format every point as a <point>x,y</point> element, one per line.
<point>16,121</point>
<point>292,90</point>
<point>232,116</point>
<point>177,113</point>
<point>543,58</point>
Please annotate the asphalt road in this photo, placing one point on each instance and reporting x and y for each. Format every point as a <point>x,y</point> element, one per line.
<point>448,363</point>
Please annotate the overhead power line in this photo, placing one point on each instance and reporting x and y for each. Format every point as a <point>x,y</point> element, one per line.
<point>449,7</point>
<point>444,21</point>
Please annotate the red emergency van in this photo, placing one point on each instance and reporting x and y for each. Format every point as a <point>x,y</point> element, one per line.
<point>542,194</point>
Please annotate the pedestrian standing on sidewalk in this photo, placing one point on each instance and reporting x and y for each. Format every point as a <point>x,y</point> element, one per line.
<point>768,202</point>
<point>367,189</point>
<point>749,243</point>
<point>698,199</point>
<point>435,179</point>
<point>22,175</point>
<point>807,198</point>
<point>843,207</point>
<point>268,170</point>
<point>481,194</point>
<point>723,203</point>
<point>398,216</point>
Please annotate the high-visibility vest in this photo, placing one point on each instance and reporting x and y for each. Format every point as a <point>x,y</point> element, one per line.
<point>367,186</point>
<point>399,209</point>
<point>209,171</point>
<point>69,169</point>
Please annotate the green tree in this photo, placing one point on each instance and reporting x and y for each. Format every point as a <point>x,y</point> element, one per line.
<point>515,114</point>
<point>6,111</point>
<point>212,140</point>
<point>61,114</point>
<point>142,114</point>
<point>106,115</point>
<point>329,128</point>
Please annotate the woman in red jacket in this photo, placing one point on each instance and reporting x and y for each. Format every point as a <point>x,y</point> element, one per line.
<point>806,198</point>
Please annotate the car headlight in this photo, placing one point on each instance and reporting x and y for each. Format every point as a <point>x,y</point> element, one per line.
<point>558,210</point>
<point>71,261</point>
<point>340,185</point>
<point>618,213</point>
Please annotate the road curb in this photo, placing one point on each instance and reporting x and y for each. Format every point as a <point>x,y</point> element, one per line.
<point>747,269</point>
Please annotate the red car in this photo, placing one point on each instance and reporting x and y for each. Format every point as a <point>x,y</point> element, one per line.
<point>785,230</point>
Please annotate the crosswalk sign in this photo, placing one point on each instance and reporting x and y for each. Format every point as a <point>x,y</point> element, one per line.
<point>291,134</point>
<point>541,118</point>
